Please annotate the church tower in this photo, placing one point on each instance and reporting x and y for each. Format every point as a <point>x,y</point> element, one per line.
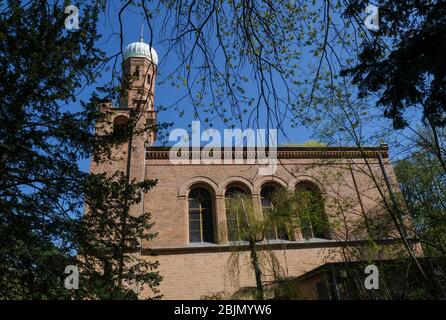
<point>139,68</point>
<point>137,106</point>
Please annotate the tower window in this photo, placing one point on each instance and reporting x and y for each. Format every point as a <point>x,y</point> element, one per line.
<point>137,72</point>
<point>201,222</point>
<point>121,128</point>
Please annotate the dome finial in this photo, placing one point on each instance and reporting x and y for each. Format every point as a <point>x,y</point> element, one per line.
<point>142,33</point>
<point>140,49</point>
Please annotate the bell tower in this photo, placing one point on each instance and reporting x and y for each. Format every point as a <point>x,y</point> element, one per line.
<point>136,107</point>
<point>139,72</point>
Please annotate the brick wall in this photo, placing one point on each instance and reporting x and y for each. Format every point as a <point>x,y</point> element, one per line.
<point>194,275</point>
<point>168,200</point>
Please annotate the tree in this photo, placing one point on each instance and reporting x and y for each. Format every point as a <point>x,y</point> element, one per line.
<point>309,143</point>
<point>250,227</point>
<point>349,120</point>
<point>112,239</point>
<point>423,187</point>
<point>290,211</point>
<point>42,66</point>
<point>403,60</point>
<point>403,63</point>
<point>42,140</point>
<point>223,49</point>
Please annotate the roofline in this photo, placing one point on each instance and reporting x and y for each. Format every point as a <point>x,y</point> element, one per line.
<point>340,264</point>
<point>292,148</point>
<point>162,152</point>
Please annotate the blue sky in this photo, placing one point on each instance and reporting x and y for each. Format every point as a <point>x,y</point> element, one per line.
<point>165,95</point>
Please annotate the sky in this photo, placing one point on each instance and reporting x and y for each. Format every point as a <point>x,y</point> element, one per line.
<point>165,95</point>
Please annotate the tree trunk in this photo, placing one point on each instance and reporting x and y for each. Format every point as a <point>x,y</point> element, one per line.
<point>258,272</point>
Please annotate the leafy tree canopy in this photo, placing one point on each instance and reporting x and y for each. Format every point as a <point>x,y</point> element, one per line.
<point>404,60</point>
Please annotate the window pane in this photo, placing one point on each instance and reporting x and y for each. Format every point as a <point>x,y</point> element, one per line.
<point>194,193</point>
<point>267,192</point>
<point>193,204</point>
<point>208,226</point>
<point>232,227</point>
<point>266,203</point>
<point>231,217</point>
<point>207,219</point>
<point>194,225</point>
<point>232,231</point>
<point>204,193</point>
<point>206,204</point>
<point>194,215</point>
<point>305,226</point>
<point>314,222</point>
<point>234,191</point>
<point>208,235</point>
<point>265,200</point>
<point>194,236</point>
<point>270,232</point>
<point>282,233</point>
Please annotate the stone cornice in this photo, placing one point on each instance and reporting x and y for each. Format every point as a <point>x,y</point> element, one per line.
<point>162,153</point>
<point>263,246</point>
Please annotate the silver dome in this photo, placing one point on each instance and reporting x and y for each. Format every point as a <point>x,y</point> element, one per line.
<point>141,50</point>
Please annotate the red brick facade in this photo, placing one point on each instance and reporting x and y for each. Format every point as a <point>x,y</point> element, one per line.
<point>192,270</point>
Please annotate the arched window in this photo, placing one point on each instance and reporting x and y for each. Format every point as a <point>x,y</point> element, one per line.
<point>201,222</point>
<point>233,219</point>
<point>233,191</point>
<point>312,216</point>
<point>277,229</point>
<point>121,128</point>
<point>137,73</point>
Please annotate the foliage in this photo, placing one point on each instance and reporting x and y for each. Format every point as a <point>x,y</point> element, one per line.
<point>309,143</point>
<point>40,143</point>
<point>224,49</point>
<point>403,61</point>
<point>423,185</point>
<point>301,209</point>
<point>249,227</point>
<point>42,140</point>
<point>112,239</point>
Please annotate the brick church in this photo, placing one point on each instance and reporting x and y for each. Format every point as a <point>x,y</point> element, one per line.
<point>188,204</point>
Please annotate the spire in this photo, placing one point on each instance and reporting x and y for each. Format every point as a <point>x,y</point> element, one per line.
<point>142,33</point>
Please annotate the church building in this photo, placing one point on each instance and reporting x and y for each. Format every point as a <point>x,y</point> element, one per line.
<point>194,244</point>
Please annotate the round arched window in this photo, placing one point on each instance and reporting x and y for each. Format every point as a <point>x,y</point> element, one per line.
<point>277,229</point>
<point>313,219</point>
<point>201,222</point>
<point>233,218</point>
<point>121,127</point>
